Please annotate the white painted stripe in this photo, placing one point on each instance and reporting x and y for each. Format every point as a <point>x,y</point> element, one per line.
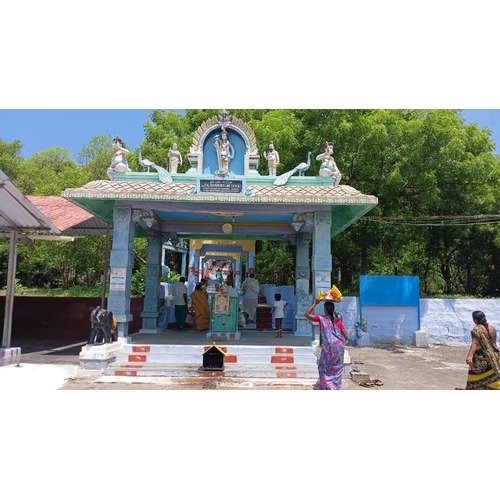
<point>198,358</point>
<point>232,349</point>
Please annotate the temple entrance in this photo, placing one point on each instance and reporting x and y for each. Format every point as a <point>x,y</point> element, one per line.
<point>217,210</point>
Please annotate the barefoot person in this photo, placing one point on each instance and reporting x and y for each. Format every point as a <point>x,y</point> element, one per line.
<point>279,313</point>
<point>333,337</point>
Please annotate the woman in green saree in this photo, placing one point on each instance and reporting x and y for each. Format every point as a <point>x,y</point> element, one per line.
<point>483,357</point>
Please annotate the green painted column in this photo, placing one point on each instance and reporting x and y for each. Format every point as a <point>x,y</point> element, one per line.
<point>149,313</point>
<point>303,326</point>
<point>122,262</point>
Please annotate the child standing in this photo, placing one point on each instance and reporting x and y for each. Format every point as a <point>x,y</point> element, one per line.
<point>279,313</point>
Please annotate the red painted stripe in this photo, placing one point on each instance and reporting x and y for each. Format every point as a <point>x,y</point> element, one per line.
<point>141,348</point>
<point>230,358</point>
<point>286,375</point>
<point>283,350</point>
<point>282,359</point>
<point>285,367</point>
<point>137,357</point>
<point>213,374</point>
<point>126,373</point>
<point>132,366</point>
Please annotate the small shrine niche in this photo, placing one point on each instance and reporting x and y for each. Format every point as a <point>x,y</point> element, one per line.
<point>224,142</point>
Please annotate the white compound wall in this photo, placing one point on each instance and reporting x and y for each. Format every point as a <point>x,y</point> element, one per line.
<point>446,321</point>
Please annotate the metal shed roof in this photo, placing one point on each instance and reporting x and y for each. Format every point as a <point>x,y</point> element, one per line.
<point>17,213</point>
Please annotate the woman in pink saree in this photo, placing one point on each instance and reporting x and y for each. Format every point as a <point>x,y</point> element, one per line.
<point>333,337</point>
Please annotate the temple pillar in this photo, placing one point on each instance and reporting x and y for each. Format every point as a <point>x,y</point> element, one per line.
<point>321,252</point>
<point>183,263</point>
<point>197,265</point>
<point>122,262</point>
<point>191,279</point>
<point>163,251</point>
<point>237,274</point>
<point>251,262</point>
<point>303,326</point>
<point>149,313</point>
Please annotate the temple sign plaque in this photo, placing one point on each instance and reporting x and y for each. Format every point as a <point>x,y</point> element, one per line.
<point>221,186</point>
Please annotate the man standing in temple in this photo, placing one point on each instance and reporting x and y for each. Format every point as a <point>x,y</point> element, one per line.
<point>180,303</point>
<point>250,288</point>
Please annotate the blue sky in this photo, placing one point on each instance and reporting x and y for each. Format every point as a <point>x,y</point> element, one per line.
<point>40,129</point>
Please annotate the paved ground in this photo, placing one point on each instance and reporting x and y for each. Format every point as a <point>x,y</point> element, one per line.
<point>398,367</point>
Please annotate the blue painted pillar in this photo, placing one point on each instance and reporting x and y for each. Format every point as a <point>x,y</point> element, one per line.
<point>191,279</point>
<point>122,262</point>
<point>149,313</point>
<point>303,326</point>
<point>237,275</point>
<point>321,253</point>
<point>251,262</point>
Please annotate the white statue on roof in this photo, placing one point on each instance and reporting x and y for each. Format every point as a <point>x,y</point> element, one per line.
<point>273,159</point>
<point>328,167</point>
<point>118,163</point>
<point>174,159</point>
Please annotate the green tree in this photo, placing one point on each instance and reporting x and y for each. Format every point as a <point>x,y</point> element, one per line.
<point>274,262</point>
<point>10,158</point>
<point>162,130</point>
<point>96,156</point>
<point>50,172</point>
<point>284,129</point>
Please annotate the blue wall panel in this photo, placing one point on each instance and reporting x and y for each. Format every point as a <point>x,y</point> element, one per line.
<point>389,290</point>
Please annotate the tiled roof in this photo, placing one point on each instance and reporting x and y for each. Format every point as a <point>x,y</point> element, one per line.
<point>65,215</point>
<point>178,191</point>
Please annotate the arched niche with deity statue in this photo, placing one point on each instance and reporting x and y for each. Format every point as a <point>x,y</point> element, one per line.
<point>224,145</point>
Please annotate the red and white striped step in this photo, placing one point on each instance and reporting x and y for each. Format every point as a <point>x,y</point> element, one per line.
<point>239,362</point>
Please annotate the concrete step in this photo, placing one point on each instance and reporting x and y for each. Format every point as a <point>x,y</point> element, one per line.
<point>241,362</point>
<point>195,370</point>
<point>192,354</point>
<point>257,358</point>
<point>200,349</point>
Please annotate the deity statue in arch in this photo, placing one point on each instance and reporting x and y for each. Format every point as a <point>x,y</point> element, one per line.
<point>225,152</point>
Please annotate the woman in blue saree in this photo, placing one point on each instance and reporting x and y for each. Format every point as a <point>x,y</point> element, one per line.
<point>333,337</point>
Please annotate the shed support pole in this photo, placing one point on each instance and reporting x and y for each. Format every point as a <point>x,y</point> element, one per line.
<point>11,283</point>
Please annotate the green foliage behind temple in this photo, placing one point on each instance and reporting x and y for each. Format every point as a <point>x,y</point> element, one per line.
<point>419,163</point>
